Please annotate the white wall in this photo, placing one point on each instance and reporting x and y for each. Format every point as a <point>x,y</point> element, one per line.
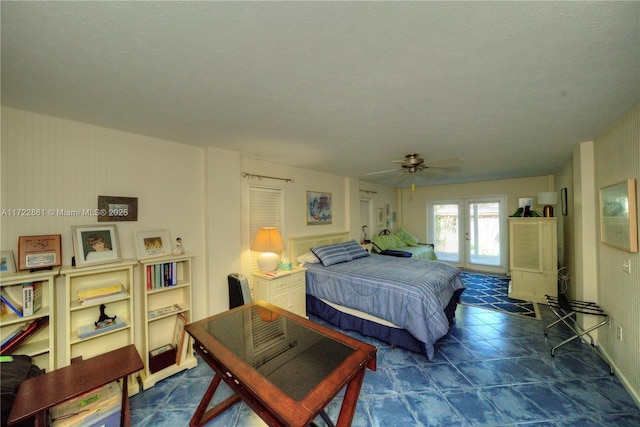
<point>617,158</point>
<point>51,163</point>
<point>414,203</point>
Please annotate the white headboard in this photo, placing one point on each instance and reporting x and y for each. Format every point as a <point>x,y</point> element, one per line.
<point>301,244</point>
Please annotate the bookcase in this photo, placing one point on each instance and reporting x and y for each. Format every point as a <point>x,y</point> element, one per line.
<point>77,314</point>
<point>41,345</point>
<point>167,294</point>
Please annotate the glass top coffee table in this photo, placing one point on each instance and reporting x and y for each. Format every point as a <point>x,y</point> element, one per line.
<point>283,366</point>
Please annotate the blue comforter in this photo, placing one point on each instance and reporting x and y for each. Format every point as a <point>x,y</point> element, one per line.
<point>410,293</point>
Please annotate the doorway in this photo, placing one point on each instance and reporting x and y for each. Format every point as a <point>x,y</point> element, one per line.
<point>470,233</point>
<point>366,218</point>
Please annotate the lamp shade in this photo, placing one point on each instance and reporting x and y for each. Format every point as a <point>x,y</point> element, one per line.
<point>268,239</point>
<point>269,242</point>
<point>548,198</point>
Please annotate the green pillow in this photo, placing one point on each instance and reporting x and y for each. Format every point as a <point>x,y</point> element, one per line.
<point>408,238</point>
<point>390,241</point>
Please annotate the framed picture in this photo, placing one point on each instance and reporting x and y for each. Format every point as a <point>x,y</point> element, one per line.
<point>113,208</point>
<point>151,244</point>
<point>563,201</point>
<point>39,252</point>
<point>95,244</point>
<point>380,217</point>
<point>618,216</point>
<point>387,210</point>
<point>7,262</point>
<point>318,208</point>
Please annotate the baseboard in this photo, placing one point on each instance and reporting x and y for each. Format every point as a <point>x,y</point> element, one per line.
<point>635,394</point>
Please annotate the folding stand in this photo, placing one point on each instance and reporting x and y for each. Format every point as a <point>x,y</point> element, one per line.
<point>566,309</point>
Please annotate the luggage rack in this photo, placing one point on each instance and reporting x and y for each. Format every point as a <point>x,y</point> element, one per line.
<point>566,309</point>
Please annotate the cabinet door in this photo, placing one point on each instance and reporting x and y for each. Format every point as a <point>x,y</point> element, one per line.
<point>525,245</point>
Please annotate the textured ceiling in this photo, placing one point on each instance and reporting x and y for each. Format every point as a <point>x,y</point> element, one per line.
<point>339,87</point>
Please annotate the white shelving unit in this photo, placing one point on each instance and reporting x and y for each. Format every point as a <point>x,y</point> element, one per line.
<point>158,330</point>
<point>76,314</point>
<point>41,346</point>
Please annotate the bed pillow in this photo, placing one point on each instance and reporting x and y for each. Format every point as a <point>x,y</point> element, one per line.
<point>408,238</point>
<point>390,241</point>
<point>307,257</point>
<point>331,254</point>
<point>354,249</point>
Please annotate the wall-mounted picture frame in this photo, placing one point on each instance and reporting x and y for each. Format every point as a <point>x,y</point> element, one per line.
<point>95,244</point>
<point>563,201</point>
<point>7,262</point>
<point>618,216</point>
<point>319,208</point>
<point>116,208</point>
<point>380,217</point>
<point>152,244</point>
<point>387,210</point>
<point>39,252</point>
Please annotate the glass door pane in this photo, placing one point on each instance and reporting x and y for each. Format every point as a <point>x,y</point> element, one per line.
<point>446,231</point>
<point>483,235</point>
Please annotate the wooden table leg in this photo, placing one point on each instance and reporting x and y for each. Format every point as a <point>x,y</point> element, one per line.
<point>202,416</point>
<point>348,409</point>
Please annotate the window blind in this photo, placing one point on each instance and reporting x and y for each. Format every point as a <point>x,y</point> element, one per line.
<point>265,210</point>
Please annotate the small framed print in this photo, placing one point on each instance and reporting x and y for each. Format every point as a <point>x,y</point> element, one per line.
<point>7,262</point>
<point>113,208</point>
<point>95,244</point>
<point>151,244</point>
<point>39,252</point>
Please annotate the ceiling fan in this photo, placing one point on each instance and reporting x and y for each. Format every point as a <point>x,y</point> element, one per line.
<point>414,163</point>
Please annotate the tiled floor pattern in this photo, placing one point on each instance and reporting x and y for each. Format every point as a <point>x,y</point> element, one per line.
<point>492,369</point>
<point>492,292</point>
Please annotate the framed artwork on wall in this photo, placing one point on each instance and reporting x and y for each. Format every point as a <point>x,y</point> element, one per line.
<point>114,208</point>
<point>380,217</point>
<point>319,209</point>
<point>95,244</point>
<point>618,216</point>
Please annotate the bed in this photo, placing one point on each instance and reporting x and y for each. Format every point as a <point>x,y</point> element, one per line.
<point>405,302</point>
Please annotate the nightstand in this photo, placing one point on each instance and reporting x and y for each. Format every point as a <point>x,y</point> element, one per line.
<point>286,289</point>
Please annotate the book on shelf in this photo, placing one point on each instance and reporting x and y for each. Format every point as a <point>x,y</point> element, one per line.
<point>31,298</point>
<point>105,326</point>
<point>163,311</point>
<point>11,302</point>
<point>6,340</point>
<point>162,275</point>
<point>30,329</point>
<point>101,295</point>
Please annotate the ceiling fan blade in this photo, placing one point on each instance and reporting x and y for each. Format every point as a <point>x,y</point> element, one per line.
<point>442,170</point>
<point>401,174</point>
<point>379,172</point>
<point>445,162</point>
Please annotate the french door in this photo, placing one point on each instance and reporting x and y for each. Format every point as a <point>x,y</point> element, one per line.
<point>470,233</point>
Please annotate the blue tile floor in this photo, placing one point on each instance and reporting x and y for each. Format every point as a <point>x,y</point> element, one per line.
<point>492,369</point>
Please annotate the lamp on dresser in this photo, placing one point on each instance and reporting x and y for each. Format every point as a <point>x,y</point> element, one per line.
<point>548,198</point>
<point>269,242</point>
